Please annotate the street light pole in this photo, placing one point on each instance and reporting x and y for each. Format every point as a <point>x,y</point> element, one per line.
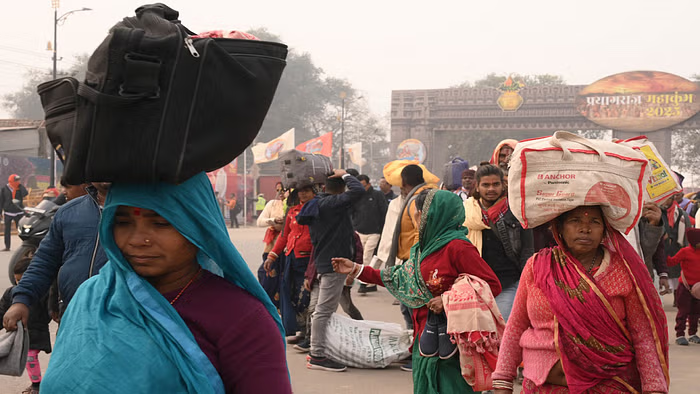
<point>342,130</point>
<point>55,36</point>
<point>342,135</point>
<point>56,19</point>
<point>52,159</point>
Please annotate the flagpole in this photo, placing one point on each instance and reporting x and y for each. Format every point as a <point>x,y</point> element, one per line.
<point>245,188</point>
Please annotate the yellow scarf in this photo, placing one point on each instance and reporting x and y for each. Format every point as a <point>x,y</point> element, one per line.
<point>474,222</point>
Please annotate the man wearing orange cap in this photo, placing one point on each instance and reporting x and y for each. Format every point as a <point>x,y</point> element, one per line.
<point>12,205</point>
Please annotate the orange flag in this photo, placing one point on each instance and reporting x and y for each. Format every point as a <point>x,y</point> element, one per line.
<point>322,145</point>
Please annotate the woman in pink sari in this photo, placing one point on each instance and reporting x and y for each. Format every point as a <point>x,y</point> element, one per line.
<point>586,317</point>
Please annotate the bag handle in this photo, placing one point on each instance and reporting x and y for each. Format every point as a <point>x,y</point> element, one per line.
<point>100,98</point>
<point>159,9</point>
<point>560,136</point>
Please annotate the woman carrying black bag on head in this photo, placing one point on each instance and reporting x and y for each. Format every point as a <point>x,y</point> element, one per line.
<point>177,293</point>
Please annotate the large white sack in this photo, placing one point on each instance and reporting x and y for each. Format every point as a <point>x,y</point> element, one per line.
<point>552,175</point>
<point>662,182</point>
<point>366,343</point>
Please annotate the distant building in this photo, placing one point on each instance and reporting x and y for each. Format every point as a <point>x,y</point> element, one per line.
<point>469,122</point>
<point>23,137</point>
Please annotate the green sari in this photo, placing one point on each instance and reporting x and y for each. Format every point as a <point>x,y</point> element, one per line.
<point>441,222</point>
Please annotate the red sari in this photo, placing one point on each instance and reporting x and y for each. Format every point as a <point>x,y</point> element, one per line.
<point>609,331</point>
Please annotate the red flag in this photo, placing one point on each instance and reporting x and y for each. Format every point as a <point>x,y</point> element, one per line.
<point>322,145</point>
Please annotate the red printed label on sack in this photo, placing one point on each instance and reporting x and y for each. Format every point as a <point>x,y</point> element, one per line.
<point>553,207</point>
<point>556,176</point>
<point>611,195</point>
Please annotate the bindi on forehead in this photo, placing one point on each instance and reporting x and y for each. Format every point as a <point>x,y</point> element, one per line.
<point>587,213</point>
<point>125,211</point>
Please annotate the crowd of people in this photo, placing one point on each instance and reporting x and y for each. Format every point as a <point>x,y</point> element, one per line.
<point>613,339</point>
<point>576,297</point>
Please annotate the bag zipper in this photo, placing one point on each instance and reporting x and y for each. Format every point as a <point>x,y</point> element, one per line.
<point>97,239</point>
<point>94,254</point>
<point>192,105</point>
<point>190,46</point>
<point>166,106</point>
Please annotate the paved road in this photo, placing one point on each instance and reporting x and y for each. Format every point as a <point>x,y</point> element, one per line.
<point>685,361</point>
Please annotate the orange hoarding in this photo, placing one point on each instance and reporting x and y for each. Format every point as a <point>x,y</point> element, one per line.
<point>639,101</point>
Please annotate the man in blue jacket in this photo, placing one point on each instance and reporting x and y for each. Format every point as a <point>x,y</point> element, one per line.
<point>70,250</point>
<point>332,235</point>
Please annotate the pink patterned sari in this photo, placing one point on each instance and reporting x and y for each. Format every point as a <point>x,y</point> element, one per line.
<point>594,345</point>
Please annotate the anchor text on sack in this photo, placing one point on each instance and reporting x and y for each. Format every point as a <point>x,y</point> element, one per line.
<point>556,179</point>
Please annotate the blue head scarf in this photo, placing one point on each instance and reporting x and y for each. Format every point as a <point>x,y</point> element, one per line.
<point>119,332</point>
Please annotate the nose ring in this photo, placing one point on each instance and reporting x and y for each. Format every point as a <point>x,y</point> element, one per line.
<point>147,241</point>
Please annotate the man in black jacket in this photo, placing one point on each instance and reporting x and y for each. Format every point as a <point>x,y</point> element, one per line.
<point>12,205</point>
<point>501,240</point>
<point>330,227</point>
<point>368,220</point>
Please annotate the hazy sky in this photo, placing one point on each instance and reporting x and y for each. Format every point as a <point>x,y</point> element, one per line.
<point>383,45</point>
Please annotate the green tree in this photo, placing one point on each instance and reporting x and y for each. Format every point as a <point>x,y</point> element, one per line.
<point>685,156</point>
<point>307,99</point>
<point>493,80</point>
<point>25,103</point>
<point>371,131</point>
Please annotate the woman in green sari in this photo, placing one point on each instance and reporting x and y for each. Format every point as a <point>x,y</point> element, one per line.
<point>441,255</point>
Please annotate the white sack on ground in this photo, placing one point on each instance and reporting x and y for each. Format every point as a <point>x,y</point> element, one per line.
<point>366,343</point>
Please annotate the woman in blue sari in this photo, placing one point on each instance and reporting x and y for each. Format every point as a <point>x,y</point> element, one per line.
<point>175,310</point>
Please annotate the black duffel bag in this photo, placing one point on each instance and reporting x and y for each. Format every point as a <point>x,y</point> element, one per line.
<point>159,105</point>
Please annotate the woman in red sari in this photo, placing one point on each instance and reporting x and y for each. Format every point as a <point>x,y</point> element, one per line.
<point>586,316</point>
